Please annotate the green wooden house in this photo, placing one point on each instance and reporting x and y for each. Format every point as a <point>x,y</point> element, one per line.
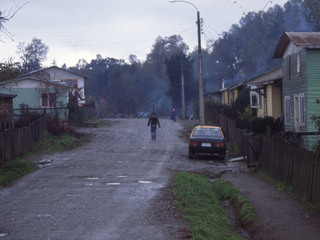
<point>300,54</point>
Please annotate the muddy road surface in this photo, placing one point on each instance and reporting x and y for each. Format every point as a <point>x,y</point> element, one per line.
<point>115,187</point>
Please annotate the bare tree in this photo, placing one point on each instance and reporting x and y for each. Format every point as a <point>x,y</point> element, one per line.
<point>6,16</point>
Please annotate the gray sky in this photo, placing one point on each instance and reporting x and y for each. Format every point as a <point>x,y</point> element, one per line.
<point>81,29</point>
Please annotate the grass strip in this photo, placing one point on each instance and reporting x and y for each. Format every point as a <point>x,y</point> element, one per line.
<point>245,210</point>
<point>200,205</point>
<point>18,167</point>
<point>13,170</point>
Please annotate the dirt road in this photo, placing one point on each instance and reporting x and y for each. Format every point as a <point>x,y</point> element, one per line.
<point>118,187</point>
<point>110,188</point>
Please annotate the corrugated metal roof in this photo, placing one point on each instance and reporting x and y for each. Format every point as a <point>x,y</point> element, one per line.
<point>265,78</point>
<point>304,39</point>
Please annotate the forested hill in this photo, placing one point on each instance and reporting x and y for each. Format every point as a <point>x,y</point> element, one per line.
<point>245,50</point>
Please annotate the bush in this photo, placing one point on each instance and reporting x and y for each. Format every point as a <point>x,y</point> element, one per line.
<point>259,125</point>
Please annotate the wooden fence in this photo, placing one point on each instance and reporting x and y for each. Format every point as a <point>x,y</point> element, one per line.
<point>293,165</point>
<point>228,126</point>
<point>16,141</point>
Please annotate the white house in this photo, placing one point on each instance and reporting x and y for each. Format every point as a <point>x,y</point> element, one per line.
<point>74,80</point>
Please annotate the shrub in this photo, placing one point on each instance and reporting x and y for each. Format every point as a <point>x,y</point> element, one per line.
<point>259,125</point>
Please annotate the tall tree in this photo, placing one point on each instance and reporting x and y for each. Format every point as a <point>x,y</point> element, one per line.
<point>175,65</point>
<point>313,13</point>
<point>33,54</point>
<point>9,70</point>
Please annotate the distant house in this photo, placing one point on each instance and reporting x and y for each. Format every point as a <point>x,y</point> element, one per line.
<point>300,54</point>
<point>6,111</point>
<point>224,94</point>
<point>38,94</point>
<point>265,94</point>
<point>216,96</point>
<point>234,91</point>
<point>74,80</point>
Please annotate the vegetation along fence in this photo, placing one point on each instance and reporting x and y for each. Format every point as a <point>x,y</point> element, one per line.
<point>293,165</point>
<point>16,141</point>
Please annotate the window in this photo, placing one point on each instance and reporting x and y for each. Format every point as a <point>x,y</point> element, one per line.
<point>287,110</point>
<point>48,100</point>
<point>298,63</point>
<point>288,67</point>
<point>44,100</point>
<point>301,109</point>
<point>71,83</point>
<point>254,99</point>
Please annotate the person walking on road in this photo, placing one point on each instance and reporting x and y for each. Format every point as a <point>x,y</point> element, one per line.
<point>173,114</point>
<point>154,121</point>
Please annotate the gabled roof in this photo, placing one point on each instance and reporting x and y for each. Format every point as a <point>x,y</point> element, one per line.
<point>56,83</point>
<point>44,69</point>
<point>267,77</point>
<point>300,39</point>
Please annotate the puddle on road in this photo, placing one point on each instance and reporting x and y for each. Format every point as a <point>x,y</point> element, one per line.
<point>92,178</point>
<point>145,182</point>
<point>113,184</point>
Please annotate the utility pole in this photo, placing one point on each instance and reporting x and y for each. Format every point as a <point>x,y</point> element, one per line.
<point>201,97</point>
<point>182,91</point>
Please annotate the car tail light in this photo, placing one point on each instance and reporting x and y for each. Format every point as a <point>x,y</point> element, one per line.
<point>193,144</point>
<point>219,144</point>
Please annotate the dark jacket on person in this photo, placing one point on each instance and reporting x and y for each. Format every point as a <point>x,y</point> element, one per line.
<point>154,121</point>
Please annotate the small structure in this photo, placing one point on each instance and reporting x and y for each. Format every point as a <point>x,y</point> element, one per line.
<point>6,111</point>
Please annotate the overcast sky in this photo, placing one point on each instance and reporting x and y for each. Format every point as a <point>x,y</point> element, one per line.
<point>81,29</point>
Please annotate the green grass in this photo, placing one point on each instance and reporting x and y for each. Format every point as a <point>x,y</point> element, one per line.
<point>19,167</point>
<point>52,144</point>
<point>200,205</point>
<point>245,210</point>
<point>233,149</point>
<point>13,170</point>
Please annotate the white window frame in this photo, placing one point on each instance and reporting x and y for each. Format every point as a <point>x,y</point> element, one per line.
<point>47,104</point>
<point>298,59</point>
<point>302,109</point>
<point>254,104</point>
<point>287,110</point>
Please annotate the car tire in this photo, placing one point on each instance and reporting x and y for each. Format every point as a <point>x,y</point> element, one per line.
<point>191,154</point>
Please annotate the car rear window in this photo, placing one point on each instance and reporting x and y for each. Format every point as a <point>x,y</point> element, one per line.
<point>207,132</point>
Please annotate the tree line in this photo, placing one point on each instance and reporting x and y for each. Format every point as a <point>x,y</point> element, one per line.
<point>125,88</point>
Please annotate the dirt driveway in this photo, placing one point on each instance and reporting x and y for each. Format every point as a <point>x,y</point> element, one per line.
<point>118,187</point>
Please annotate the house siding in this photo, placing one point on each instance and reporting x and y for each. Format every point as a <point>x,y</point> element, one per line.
<point>294,85</point>
<point>313,87</point>
<point>276,102</point>
<point>269,99</point>
<point>261,110</point>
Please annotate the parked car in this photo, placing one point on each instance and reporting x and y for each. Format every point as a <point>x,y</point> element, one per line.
<point>209,140</point>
